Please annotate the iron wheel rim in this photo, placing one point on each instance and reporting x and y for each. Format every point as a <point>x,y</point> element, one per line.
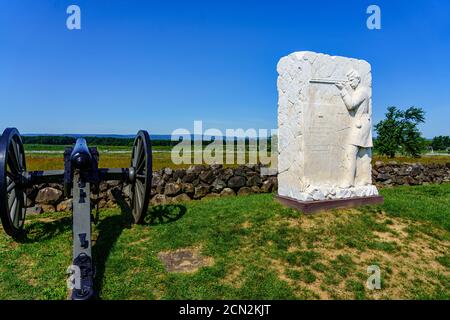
<point>12,195</point>
<point>141,162</point>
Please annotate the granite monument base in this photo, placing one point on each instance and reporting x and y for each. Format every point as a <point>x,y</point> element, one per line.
<point>309,207</point>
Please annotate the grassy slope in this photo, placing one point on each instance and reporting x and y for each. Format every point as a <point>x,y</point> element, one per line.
<point>259,249</point>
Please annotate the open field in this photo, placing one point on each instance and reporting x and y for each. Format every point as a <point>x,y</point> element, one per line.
<point>247,247</point>
<point>48,157</point>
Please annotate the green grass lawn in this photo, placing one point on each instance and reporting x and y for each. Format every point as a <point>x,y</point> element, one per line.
<point>253,248</point>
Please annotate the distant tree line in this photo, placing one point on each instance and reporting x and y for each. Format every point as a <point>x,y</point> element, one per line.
<point>100,141</point>
<point>111,141</point>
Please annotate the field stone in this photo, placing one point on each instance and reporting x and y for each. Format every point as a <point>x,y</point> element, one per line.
<point>189,177</point>
<point>156,179</point>
<point>216,166</point>
<point>207,176</point>
<point>195,169</point>
<point>65,206</point>
<point>383,177</point>
<point>159,199</point>
<point>110,195</point>
<point>48,208</point>
<point>160,187</point>
<point>274,181</point>
<point>48,195</point>
<point>227,192</point>
<point>379,164</point>
<point>226,174</point>
<point>212,195</point>
<point>127,191</point>
<point>179,174</point>
<point>113,183</point>
<point>200,192</point>
<point>172,189</point>
<point>267,186</point>
<point>188,188</point>
<point>244,191</point>
<point>37,209</point>
<point>218,185</point>
<point>180,198</point>
<point>103,186</point>
<point>236,182</point>
<point>239,171</point>
<point>102,203</point>
<point>254,181</point>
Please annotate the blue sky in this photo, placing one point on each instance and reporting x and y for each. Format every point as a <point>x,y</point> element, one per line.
<point>160,65</point>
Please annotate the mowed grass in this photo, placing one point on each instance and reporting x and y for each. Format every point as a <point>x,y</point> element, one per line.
<point>256,249</point>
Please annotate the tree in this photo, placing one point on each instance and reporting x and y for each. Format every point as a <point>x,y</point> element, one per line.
<point>399,132</point>
<point>440,143</point>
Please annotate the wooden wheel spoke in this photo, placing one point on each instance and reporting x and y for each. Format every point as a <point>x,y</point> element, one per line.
<point>13,210</point>
<point>134,160</point>
<point>13,160</point>
<point>139,150</point>
<point>17,214</point>
<point>18,154</point>
<point>11,198</point>
<point>10,185</point>
<point>140,192</point>
<point>141,157</point>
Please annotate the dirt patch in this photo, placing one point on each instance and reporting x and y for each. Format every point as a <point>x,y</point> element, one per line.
<point>184,260</point>
<point>246,225</point>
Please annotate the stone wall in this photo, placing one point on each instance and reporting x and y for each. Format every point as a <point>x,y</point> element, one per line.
<point>395,174</point>
<point>197,182</point>
<point>168,186</point>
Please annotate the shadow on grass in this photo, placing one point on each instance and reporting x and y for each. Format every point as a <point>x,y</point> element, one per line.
<point>44,230</point>
<point>110,229</point>
<point>164,214</point>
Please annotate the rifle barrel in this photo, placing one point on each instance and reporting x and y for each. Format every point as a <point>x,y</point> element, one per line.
<point>326,81</point>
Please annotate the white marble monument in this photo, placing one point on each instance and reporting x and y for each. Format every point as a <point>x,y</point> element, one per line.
<point>324,127</point>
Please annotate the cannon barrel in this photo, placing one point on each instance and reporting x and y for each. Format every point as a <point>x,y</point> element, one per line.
<point>81,157</point>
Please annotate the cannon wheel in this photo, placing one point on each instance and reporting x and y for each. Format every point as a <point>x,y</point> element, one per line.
<point>141,163</point>
<point>12,195</point>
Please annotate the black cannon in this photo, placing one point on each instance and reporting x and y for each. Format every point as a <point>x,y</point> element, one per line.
<point>81,172</point>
